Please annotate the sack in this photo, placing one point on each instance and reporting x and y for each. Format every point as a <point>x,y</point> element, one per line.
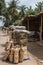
<point>23,41</point>
<point>11,58</point>
<point>9,45</point>
<point>12,51</point>
<point>16,55</point>
<point>21,54</point>
<point>25,52</point>
<point>6,55</point>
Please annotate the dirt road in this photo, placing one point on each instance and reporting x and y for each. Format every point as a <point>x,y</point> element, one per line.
<point>32,61</point>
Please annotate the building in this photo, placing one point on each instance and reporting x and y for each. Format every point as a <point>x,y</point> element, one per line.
<point>34,23</point>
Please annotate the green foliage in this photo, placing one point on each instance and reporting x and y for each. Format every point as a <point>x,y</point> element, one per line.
<point>2,7</point>
<point>22,10</point>
<point>17,22</point>
<point>11,13</point>
<point>30,11</point>
<point>39,6</point>
<point>13,16</point>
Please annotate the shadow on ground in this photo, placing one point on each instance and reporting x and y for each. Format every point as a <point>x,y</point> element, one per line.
<point>35,50</point>
<point>3,45</point>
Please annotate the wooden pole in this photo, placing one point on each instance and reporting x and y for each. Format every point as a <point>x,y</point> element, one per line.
<point>41,30</point>
<point>28,24</point>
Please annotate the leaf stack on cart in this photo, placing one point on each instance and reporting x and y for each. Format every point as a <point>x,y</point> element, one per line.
<point>16,48</point>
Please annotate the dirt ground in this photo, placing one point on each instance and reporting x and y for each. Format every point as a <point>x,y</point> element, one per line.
<point>35,52</point>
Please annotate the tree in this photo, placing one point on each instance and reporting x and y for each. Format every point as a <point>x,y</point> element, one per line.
<point>13,10</point>
<point>30,11</point>
<point>2,7</point>
<point>39,6</point>
<point>22,10</point>
<point>11,13</point>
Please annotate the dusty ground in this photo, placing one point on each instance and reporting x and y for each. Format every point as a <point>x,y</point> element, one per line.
<point>34,50</point>
<point>37,51</point>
